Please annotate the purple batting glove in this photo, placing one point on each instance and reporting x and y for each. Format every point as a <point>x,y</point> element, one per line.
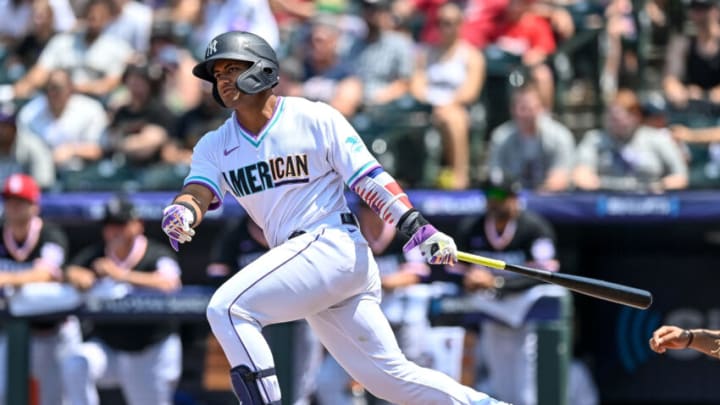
<point>176,223</point>
<point>435,246</point>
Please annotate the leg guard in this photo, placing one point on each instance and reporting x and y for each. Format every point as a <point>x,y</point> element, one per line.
<point>247,385</point>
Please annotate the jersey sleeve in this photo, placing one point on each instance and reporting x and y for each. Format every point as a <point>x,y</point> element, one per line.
<point>85,256</point>
<point>362,173</point>
<point>53,251</point>
<point>347,152</point>
<point>204,168</point>
<point>165,261</point>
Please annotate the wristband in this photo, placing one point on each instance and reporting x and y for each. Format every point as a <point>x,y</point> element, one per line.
<point>410,222</point>
<point>191,208</point>
<point>691,336</point>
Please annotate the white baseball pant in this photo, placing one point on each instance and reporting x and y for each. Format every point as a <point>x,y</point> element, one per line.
<point>327,276</point>
<point>147,377</point>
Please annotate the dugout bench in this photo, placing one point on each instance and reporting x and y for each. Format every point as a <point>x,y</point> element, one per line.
<point>188,305</point>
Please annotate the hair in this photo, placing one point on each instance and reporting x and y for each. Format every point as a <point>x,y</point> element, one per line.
<point>153,73</point>
<point>109,4</point>
<point>628,100</point>
<point>529,85</point>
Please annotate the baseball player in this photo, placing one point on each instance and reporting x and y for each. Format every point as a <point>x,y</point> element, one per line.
<point>143,359</point>
<point>34,250</point>
<point>286,161</point>
<point>517,236</point>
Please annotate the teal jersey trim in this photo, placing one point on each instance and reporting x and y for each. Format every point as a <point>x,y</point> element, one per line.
<point>203,179</point>
<point>351,180</point>
<point>257,141</point>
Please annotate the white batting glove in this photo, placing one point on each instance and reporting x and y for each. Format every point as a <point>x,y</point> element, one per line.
<point>436,247</point>
<point>176,223</point>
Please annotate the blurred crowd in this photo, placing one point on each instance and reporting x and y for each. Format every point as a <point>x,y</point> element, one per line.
<point>563,94</point>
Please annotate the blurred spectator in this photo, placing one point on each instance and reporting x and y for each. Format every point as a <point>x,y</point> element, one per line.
<point>191,126</point>
<point>692,64</point>
<point>217,16</point>
<point>17,18</point>
<point>144,359</point>
<point>405,303</point>
<point>71,124</point>
<point>621,58</point>
<point>95,60</point>
<point>384,63</point>
<point>141,127</point>
<point>450,76</point>
<point>532,147</point>
<point>425,12</point>
<point>697,138</point>
<point>34,251</point>
<point>510,233</point>
<point>132,24</point>
<point>321,73</point>
<point>23,54</point>
<point>667,19</point>
<point>239,244</point>
<point>23,154</point>
<point>512,29</point>
<point>180,90</point>
<point>628,156</point>
<point>557,14</point>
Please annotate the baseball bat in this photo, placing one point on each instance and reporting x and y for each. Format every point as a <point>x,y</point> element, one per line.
<point>604,290</point>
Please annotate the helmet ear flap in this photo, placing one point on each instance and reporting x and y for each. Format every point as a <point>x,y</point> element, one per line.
<point>216,95</point>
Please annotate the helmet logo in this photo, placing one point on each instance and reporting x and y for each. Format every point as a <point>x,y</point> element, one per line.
<point>211,49</point>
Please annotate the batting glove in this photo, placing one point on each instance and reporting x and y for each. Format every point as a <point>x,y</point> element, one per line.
<point>176,223</point>
<point>436,247</point>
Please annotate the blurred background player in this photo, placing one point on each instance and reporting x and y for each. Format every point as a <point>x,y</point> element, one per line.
<point>34,250</point>
<point>143,359</point>
<point>239,244</point>
<point>510,233</point>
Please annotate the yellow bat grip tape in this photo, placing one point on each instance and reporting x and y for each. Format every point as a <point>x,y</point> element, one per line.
<point>483,261</point>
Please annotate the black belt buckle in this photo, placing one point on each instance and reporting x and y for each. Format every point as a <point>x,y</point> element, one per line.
<point>295,234</point>
<point>348,219</point>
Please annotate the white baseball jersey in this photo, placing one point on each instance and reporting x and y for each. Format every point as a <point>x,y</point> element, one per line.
<point>290,175</point>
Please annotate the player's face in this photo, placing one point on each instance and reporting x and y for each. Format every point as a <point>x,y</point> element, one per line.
<point>121,233</point>
<point>503,208</point>
<point>18,211</point>
<point>226,73</point>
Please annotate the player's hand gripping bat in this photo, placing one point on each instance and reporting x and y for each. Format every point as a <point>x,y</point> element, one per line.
<point>604,290</point>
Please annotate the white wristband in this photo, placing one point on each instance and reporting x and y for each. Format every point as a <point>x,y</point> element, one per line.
<point>6,93</point>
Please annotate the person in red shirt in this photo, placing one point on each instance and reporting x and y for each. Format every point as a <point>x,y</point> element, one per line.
<point>514,28</point>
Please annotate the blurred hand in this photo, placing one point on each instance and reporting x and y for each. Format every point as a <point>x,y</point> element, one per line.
<point>478,278</point>
<point>714,95</point>
<point>81,278</point>
<point>677,95</point>
<point>669,337</point>
<point>681,133</point>
<point>106,267</point>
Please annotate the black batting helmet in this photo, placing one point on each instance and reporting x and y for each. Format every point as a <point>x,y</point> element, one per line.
<point>241,46</point>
